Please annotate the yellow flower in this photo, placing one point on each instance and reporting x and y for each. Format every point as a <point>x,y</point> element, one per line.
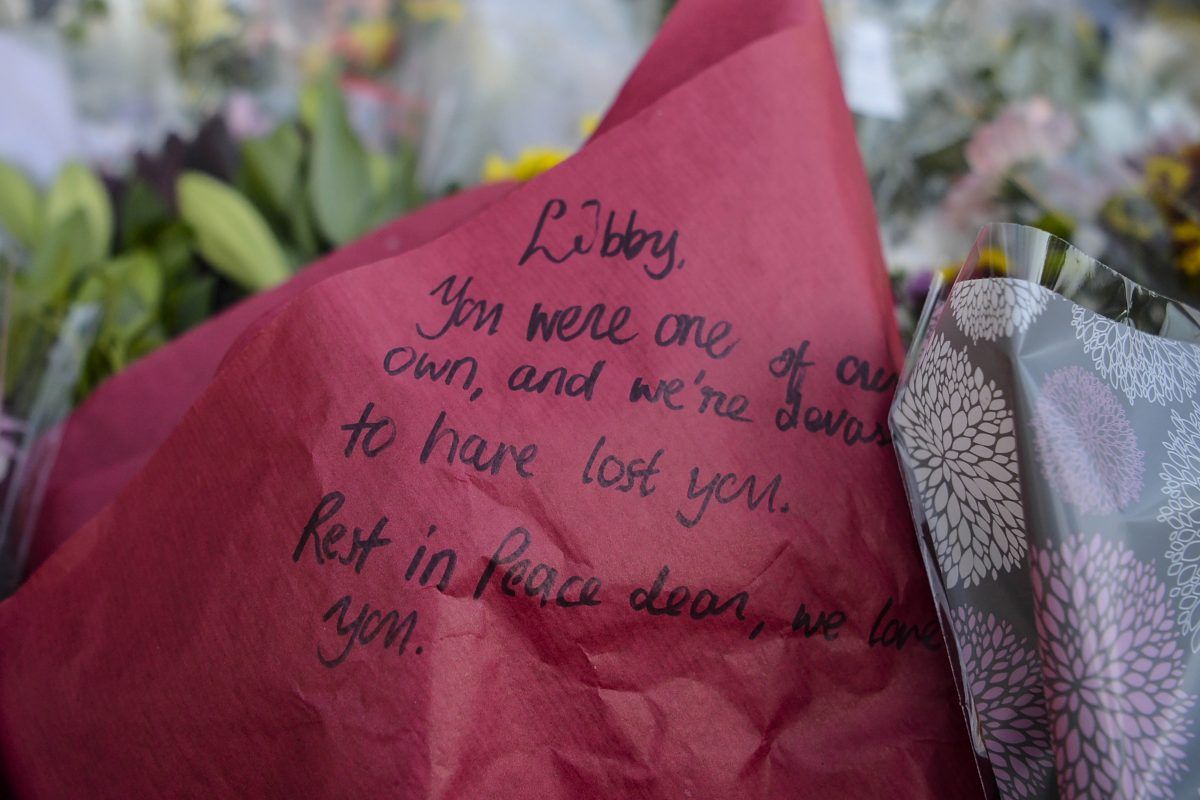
<point>1167,176</point>
<point>588,124</point>
<point>1189,262</point>
<point>193,23</point>
<point>1187,231</point>
<point>992,259</point>
<point>370,42</point>
<point>1130,215</point>
<point>435,10</point>
<point>532,161</point>
<point>949,272</point>
<point>314,60</point>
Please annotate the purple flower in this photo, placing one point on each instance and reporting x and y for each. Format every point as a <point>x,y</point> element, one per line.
<point>1085,443</point>
<point>1113,669</point>
<point>1004,678</point>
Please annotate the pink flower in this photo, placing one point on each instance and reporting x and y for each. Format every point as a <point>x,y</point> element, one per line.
<point>1004,678</point>
<point>1113,669</point>
<point>245,117</point>
<point>1085,442</point>
<point>1033,130</point>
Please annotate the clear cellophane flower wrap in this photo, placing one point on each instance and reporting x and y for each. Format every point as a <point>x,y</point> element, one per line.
<point>1048,431</point>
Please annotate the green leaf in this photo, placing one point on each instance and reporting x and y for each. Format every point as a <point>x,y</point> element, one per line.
<point>339,177</point>
<point>395,184</point>
<point>19,206</point>
<point>129,291</point>
<point>143,214</point>
<point>134,295</point>
<point>189,303</point>
<point>273,166</point>
<point>77,189</point>
<point>173,246</point>
<point>304,233</point>
<point>230,233</point>
<point>61,254</point>
<point>381,172</point>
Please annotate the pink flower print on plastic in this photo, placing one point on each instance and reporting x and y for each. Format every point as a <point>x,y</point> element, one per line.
<point>1113,668</point>
<point>1085,442</point>
<point>1004,678</point>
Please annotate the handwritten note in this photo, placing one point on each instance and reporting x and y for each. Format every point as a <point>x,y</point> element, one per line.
<point>592,497</point>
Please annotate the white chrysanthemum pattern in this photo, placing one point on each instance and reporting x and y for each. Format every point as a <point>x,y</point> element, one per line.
<point>1140,365</point>
<point>1181,486</point>
<point>956,430</point>
<point>988,308</point>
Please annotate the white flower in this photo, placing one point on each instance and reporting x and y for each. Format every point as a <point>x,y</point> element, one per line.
<point>1181,485</point>
<point>989,308</point>
<point>955,430</point>
<point>1139,364</point>
<point>507,76</point>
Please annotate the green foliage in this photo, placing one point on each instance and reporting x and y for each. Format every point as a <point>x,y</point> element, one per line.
<point>19,206</point>
<point>156,262</point>
<point>129,291</point>
<point>339,177</point>
<point>77,189</point>
<point>230,233</point>
<point>274,166</point>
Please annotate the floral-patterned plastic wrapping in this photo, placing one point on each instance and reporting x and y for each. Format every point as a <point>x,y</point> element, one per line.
<point>1048,431</point>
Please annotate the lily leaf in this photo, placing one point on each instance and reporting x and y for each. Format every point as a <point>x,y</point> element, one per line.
<point>230,233</point>
<point>143,214</point>
<point>273,166</point>
<point>61,254</point>
<point>19,206</point>
<point>339,177</point>
<point>77,189</point>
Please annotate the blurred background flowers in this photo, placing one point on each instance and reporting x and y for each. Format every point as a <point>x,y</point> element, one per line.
<point>1080,117</point>
<point>160,159</point>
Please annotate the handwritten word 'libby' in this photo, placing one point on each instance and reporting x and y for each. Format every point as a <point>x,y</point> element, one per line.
<point>614,243</point>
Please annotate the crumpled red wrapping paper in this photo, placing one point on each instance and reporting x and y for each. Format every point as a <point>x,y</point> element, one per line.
<point>373,559</point>
<point>113,433</point>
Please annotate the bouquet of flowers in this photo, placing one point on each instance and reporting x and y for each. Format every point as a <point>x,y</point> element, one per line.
<point>1048,427</point>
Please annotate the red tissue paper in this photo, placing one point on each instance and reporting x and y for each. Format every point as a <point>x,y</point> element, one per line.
<point>590,497</point>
